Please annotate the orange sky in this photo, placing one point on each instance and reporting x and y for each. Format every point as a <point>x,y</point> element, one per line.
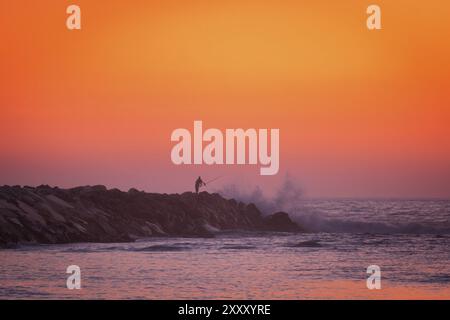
<point>361,113</point>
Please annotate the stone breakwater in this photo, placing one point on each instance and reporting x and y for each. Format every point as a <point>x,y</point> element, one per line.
<point>49,215</point>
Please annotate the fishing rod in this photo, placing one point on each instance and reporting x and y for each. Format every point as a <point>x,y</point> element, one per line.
<point>212,180</point>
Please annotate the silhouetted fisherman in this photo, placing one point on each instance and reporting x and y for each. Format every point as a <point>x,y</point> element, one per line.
<point>198,183</point>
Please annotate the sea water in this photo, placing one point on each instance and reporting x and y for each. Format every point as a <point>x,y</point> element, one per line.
<point>408,239</point>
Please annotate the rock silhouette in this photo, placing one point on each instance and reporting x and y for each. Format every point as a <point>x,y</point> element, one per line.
<point>51,215</point>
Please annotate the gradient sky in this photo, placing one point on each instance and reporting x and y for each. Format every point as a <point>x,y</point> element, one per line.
<point>361,113</point>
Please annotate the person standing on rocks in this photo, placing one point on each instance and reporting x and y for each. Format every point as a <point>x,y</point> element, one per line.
<point>199,183</point>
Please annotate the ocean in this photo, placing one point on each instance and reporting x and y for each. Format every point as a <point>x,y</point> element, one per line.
<point>408,239</point>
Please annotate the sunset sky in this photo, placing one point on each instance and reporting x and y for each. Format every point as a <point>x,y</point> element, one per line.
<point>361,113</point>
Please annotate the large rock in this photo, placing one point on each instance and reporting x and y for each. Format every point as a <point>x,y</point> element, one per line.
<point>280,221</point>
<point>95,214</point>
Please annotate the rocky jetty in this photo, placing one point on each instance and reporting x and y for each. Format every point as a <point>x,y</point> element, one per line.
<point>95,214</point>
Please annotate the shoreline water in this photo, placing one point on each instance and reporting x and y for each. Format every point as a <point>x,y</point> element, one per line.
<point>234,266</point>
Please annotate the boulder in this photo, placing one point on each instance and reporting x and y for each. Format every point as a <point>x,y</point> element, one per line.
<point>280,221</point>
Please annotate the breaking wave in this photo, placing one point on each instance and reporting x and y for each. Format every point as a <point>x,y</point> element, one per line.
<point>289,198</point>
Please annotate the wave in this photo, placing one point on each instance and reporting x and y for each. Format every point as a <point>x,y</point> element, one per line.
<point>314,222</point>
<point>130,248</point>
<point>289,198</point>
<point>305,244</point>
<point>93,249</point>
<point>238,247</point>
<point>161,248</point>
